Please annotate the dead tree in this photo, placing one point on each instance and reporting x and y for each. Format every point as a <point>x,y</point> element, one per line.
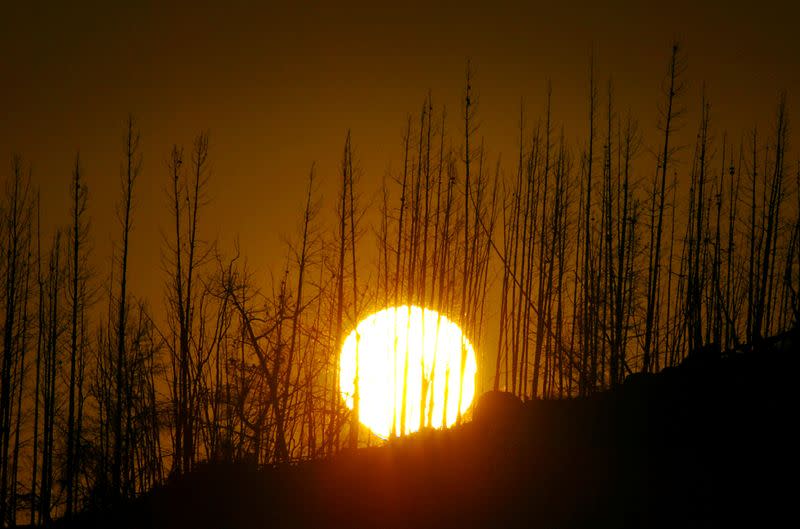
<point>670,114</point>
<point>132,165</point>
<point>76,297</point>
<point>16,212</point>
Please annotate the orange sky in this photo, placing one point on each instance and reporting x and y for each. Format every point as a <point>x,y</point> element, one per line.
<point>277,88</point>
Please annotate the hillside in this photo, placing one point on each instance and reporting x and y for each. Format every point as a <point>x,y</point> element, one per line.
<point>704,444</point>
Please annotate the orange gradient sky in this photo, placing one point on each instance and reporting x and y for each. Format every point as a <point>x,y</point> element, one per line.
<point>277,89</point>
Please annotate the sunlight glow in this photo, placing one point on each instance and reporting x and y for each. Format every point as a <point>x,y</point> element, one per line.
<point>419,346</point>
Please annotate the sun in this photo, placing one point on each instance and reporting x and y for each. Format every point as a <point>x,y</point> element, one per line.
<point>409,367</point>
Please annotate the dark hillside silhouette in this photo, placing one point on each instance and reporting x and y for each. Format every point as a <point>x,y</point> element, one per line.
<point>702,444</point>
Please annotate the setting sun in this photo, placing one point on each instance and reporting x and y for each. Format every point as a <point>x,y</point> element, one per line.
<point>407,354</point>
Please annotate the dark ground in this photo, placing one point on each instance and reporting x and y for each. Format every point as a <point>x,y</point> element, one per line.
<point>706,444</point>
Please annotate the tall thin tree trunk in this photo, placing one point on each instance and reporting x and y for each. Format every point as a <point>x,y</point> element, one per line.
<point>655,242</point>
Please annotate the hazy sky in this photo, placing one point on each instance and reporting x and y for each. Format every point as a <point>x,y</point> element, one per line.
<point>278,87</point>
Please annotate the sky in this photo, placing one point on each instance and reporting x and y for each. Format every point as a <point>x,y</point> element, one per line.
<point>278,87</point>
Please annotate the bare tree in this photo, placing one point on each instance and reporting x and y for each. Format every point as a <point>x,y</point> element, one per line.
<point>131,168</point>
<point>76,293</point>
<point>16,211</point>
<point>670,113</point>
